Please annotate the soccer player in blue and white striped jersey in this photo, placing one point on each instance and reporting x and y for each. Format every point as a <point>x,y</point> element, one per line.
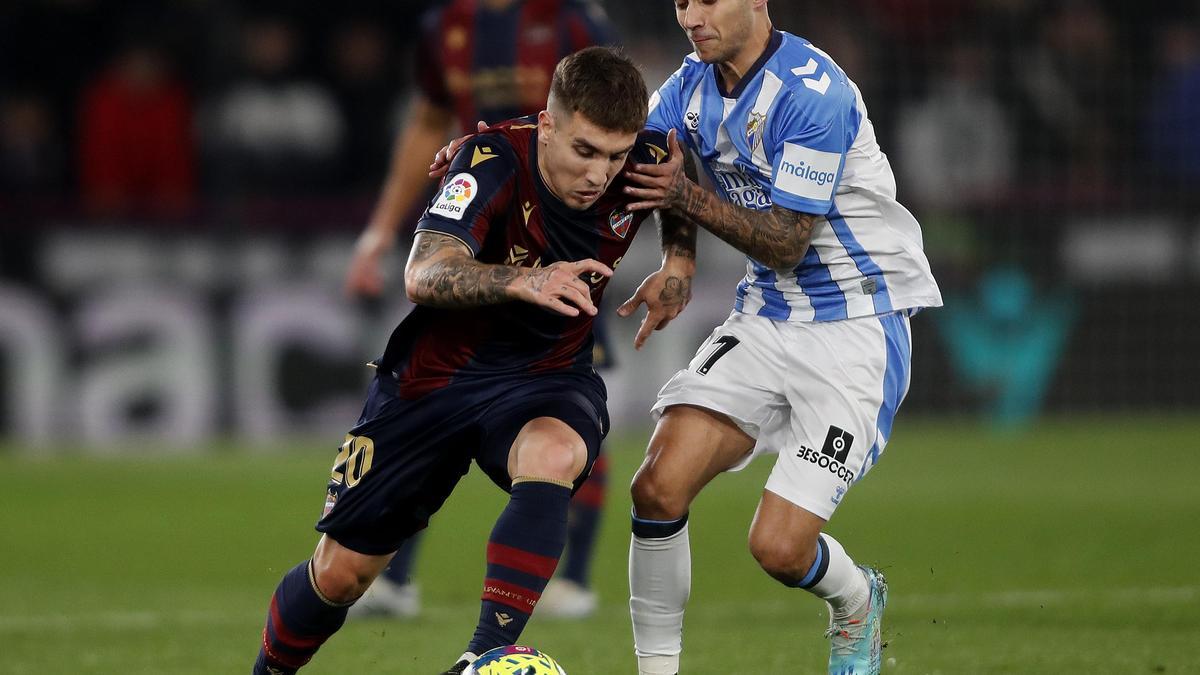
<point>813,362</point>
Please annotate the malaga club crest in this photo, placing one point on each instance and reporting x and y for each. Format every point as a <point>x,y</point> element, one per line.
<point>620,220</point>
<point>754,129</point>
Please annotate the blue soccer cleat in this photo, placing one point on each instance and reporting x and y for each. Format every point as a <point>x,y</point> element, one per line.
<point>857,647</point>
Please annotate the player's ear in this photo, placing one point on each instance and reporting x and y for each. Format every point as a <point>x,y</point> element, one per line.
<point>545,125</point>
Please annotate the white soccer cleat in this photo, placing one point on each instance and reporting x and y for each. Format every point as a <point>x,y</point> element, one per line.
<point>386,598</point>
<point>564,599</point>
<point>857,646</point>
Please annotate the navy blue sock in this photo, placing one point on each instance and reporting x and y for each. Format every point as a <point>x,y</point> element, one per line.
<point>399,571</point>
<point>298,623</point>
<point>583,524</point>
<point>521,556</point>
<point>820,565</point>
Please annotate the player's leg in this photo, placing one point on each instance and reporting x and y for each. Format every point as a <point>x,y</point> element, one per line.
<point>528,538</point>
<point>787,542</point>
<point>394,470</point>
<point>310,604</point>
<point>844,394</point>
<point>540,442</point>
<point>394,593</point>
<point>710,415</point>
<point>569,594</point>
<point>690,446</point>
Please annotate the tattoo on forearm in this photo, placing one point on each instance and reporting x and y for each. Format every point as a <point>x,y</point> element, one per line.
<point>777,238</point>
<point>677,233</point>
<point>676,230</point>
<point>446,275</point>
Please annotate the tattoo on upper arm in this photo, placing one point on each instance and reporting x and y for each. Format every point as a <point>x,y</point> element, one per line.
<point>446,275</point>
<point>777,238</point>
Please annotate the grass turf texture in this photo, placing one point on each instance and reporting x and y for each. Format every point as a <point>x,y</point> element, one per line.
<point>1070,548</point>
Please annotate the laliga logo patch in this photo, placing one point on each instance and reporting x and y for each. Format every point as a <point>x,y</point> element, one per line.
<point>330,502</point>
<point>692,119</point>
<point>620,221</point>
<point>457,193</point>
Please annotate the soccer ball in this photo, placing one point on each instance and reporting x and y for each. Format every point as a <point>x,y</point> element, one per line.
<point>514,660</point>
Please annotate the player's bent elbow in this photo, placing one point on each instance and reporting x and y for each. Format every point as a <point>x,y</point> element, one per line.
<point>415,287</point>
<point>786,259</point>
<point>414,294</point>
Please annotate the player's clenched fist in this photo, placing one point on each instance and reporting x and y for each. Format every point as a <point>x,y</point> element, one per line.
<point>559,287</point>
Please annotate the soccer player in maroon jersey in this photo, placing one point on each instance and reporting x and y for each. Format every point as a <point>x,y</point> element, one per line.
<point>475,60</point>
<point>489,60</point>
<point>494,364</point>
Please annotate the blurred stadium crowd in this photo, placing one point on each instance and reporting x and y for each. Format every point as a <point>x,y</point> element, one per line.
<point>152,109</point>
<point>1050,148</point>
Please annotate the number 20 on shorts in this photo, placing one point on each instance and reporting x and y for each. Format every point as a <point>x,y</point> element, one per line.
<point>353,460</point>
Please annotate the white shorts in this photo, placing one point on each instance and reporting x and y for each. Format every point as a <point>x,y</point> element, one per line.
<point>822,395</point>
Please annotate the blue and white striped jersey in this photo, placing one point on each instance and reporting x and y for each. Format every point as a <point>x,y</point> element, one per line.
<point>795,133</point>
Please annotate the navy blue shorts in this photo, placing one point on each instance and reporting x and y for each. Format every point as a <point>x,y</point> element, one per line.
<point>404,457</point>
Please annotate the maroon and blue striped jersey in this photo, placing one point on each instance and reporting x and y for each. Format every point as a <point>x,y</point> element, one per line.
<point>496,64</point>
<point>495,202</point>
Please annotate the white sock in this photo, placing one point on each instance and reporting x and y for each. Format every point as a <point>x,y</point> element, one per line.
<point>660,580</point>
<point>843,585</point>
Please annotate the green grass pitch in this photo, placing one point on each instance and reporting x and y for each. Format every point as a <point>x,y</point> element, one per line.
<point>1070,548</point>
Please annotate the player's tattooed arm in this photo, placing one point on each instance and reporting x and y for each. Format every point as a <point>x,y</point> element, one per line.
<point>667,292</point>
<point>441,272</point>
<point>777,238</point>
<point>676,230</point>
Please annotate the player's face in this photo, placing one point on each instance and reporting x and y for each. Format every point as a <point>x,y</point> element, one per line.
<point>718,29</point>
<point>580,160</point>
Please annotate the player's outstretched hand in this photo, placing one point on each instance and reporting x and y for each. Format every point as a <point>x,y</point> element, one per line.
<point>441,161</point>
<point>365,275</point>
<point>660,186</point>
<point>560,288</point>
<point>665,294</point>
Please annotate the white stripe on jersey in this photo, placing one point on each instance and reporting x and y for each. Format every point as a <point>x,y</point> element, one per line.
<point>771,87</point>
<point>726,153</point>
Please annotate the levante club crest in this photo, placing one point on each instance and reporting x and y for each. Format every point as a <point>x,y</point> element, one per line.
<point>620,221</point>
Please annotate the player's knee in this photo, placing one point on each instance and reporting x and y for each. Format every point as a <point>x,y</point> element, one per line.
<point>342,582</point>
<point>654,499</point>
<point>557,458</point>
<point>782,559</point>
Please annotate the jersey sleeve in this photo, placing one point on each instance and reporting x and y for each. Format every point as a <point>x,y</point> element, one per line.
<point>812,134</point>
<point>475,193</point>
<point>666,107</point>
<point>650,148</point>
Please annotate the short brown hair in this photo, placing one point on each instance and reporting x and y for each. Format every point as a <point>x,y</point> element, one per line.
<point>604,85</point>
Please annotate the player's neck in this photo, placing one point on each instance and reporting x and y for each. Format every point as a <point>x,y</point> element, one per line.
<point>545,176</point>
<point>733,71</point>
